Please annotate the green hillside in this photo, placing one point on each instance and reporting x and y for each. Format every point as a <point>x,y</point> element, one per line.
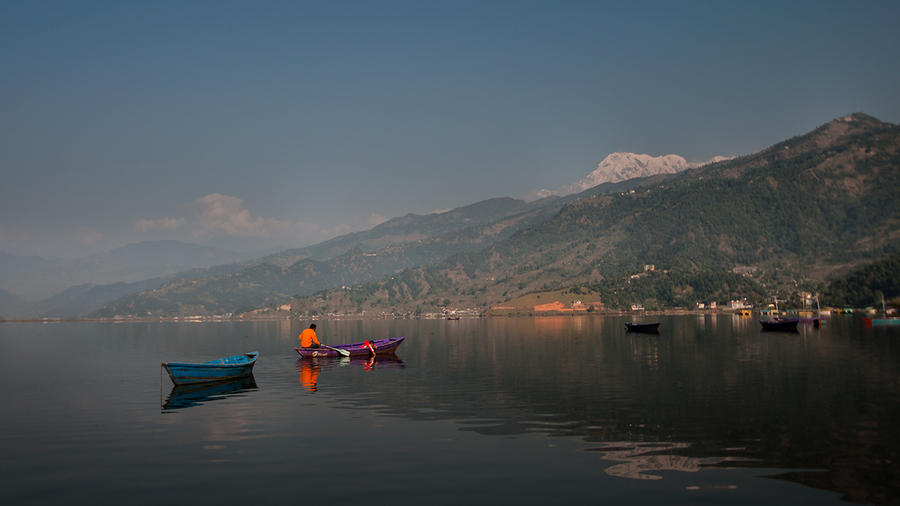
<point>775,221</point>
<point>866,286</point>
<point>404,230</point>
<point>267,283</point>
<point>276,279</point>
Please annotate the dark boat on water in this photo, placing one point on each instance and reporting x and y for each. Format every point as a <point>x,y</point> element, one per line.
<point>362,349</point>
<point>646,328</point>
<point>780,324</point>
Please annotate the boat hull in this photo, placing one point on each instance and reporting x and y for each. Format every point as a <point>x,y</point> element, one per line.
<point>646,328</point>
<point>786,325</point>
<point>223,369</point>
<point>382,346</point>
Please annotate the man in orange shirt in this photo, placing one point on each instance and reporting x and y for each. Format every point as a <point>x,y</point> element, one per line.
<point>308,338</point>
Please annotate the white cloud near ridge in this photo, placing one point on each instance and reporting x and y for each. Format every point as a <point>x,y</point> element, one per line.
<point>227,214</point>
<point>218,215</point>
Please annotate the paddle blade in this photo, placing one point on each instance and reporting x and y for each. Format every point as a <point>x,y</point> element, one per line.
<point>343,353</point>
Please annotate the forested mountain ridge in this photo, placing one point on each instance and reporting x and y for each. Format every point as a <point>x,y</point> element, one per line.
<point>799,210</point>
<point>74,287</point>
<point>794,213</point>
<point>271,280</point>
<point>266,283</point>
<point>870,285</point>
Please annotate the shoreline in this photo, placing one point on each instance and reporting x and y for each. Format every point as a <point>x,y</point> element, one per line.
<point>181,319</point>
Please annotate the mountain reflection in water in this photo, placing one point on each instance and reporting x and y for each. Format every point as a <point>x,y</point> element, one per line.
<point>818,402</point>
<point>478,411</point>
<point>639,460</point>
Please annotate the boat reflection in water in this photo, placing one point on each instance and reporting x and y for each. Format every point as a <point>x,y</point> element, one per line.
<point>309,369</point>
<point>185,396</point>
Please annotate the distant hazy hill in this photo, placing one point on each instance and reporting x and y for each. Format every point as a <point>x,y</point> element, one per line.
<point>14,267</point>
<point>403,230</point>
<point>800,210</point>
<point>408,245</point>
<point>12,306</point>
<point>80,300</point>
<point>143,258</point>
<point>404,242</point>
<point>35,278</point>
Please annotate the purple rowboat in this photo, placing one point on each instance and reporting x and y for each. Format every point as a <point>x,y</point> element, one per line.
<point>381,346</point>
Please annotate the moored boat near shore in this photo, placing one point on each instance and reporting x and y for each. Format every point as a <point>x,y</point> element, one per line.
<point>378,346</point>
<point>781,324</point>
<point>880,322</point>
<point>646,328</point>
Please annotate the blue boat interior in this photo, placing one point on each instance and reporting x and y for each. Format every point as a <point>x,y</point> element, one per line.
<point>235,359</point>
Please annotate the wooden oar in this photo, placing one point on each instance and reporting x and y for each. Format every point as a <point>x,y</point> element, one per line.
<point>343,353</point>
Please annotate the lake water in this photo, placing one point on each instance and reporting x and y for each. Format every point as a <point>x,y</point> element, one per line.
<point>557,410</point>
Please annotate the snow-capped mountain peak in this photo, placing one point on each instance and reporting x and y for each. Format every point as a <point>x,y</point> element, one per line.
<point>623,166</point>
<point>618,167</point>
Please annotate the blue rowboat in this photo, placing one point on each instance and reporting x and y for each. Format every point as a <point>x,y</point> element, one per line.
<point>227,368</point>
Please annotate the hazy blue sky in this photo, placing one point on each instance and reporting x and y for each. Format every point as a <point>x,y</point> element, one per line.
<point>264,124</point>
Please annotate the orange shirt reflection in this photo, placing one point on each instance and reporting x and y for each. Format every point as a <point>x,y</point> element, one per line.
<point>309,375</point>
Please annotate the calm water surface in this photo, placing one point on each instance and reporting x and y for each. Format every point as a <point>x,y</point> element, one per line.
<point>485,411</point>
